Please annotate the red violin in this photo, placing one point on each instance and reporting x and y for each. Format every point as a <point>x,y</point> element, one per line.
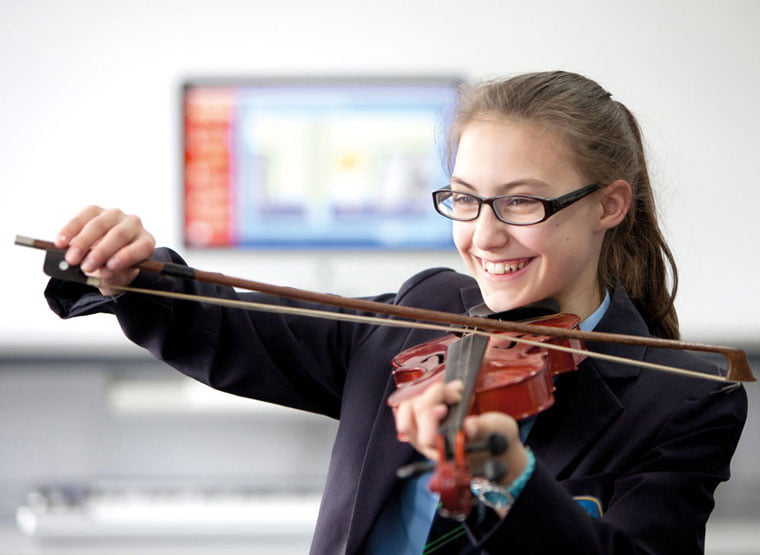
<point>505,372</point>
<point>515,378</point>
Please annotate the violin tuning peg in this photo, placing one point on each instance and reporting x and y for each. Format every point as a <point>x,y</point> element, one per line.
<point>494,471</point>
<point>497,444</point>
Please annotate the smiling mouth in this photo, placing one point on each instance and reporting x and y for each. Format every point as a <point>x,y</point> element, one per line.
<point>502,268</point>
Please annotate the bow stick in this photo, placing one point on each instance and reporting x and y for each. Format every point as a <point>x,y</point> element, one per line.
<point>737,364</point>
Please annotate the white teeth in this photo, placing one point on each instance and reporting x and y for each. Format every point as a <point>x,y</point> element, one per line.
<point>503,268</point>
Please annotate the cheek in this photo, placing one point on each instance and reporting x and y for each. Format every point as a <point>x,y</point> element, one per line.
<point>462,234</point>
<point>536,239</point>
<point>548,238</point>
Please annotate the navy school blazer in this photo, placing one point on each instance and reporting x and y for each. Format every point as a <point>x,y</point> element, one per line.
<point>647,449</point>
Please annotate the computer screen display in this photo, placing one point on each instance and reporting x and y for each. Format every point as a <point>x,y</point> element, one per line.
<point>320,163</point>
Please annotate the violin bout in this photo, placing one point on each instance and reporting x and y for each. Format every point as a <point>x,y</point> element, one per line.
<point>515,377</point>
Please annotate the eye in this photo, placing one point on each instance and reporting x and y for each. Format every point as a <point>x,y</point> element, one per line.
<point>514,202</point>
<point>463,199</point>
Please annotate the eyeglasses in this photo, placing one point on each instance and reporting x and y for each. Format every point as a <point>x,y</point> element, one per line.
<point>510,209</point>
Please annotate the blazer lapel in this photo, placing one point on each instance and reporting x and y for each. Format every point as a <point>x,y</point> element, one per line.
<point>583,407</point>
<point>383,456</point>
<point>585,400</point>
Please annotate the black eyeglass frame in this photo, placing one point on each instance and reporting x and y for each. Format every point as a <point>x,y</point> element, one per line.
<point>551,205</point>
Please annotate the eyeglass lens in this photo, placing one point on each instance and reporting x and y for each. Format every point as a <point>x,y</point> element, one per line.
<point>512,209</point>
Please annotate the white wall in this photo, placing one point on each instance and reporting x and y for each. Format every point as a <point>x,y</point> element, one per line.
<point>89,114</point>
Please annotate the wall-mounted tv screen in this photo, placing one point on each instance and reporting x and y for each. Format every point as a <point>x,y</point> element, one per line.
<point>314,163</point>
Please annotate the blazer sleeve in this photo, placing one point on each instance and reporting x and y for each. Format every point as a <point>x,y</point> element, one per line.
<point>295,361</point>
<point>659,504</point>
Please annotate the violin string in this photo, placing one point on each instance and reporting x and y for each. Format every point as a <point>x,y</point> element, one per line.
<point>359,318</point>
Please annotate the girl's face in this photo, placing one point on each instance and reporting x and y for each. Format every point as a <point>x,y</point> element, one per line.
<point>518,265</point>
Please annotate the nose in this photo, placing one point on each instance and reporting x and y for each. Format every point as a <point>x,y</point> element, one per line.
<point>490,232</point>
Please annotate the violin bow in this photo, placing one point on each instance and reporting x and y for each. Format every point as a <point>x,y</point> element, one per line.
<point>737,364</point>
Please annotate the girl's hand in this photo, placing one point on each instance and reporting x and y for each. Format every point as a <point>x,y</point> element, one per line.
<point>106,244</point>
<point>418,421</point>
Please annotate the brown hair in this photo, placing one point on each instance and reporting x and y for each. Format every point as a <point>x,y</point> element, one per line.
<point>605,141</point>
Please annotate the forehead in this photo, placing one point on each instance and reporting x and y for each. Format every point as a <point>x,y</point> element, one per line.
<point>496,153</point>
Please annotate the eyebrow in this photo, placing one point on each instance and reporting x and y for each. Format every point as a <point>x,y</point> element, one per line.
<point>504,187</point>
<point>456,180</point>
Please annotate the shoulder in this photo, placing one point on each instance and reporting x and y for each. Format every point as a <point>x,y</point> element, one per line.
<point>622,317</point>
<point>438,287</point>
<point>692,389</point>
<point>436,277</point>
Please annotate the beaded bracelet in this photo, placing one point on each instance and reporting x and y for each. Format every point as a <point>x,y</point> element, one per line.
<point>497,496</point>
<point>519,484</point>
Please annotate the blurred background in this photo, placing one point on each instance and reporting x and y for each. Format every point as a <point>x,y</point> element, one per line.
<point>103,450</point>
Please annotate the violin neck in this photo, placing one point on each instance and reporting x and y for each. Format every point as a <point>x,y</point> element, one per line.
<point>463,362</point>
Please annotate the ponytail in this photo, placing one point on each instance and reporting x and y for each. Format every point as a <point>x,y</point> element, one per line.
<point>635,254</point>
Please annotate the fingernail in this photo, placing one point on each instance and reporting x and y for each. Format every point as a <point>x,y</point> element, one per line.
<point>87,265</point>
<point>61,240</point>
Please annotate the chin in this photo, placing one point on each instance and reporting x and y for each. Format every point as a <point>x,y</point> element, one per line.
<point>501,301</point>
<point>499,304</point>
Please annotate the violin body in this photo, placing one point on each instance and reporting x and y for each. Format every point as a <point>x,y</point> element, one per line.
<point>514,378</point>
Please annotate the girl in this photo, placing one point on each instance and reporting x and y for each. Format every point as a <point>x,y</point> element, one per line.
<point>550,198</point>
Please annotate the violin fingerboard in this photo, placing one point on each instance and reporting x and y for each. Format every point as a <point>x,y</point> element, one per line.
<point>463,362</point>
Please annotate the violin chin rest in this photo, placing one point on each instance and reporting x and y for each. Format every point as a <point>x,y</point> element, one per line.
<point>539,309</point>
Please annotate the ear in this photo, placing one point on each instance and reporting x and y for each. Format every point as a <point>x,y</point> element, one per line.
<point>615,202</point>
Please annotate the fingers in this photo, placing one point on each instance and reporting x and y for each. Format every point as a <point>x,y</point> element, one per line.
<point>419,419</point>
<point>479,427</point>
<point>73,227</point>
<point>105,240</point>
<point>418,422</point>
<point>514,459</point>
<point>118,247</point>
